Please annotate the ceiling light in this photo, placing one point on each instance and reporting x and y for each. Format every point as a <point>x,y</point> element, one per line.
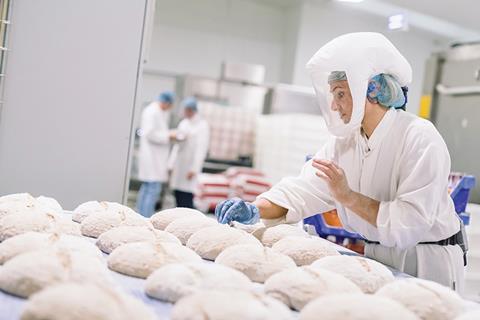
<point>398,22</point>
<point>354,1</point>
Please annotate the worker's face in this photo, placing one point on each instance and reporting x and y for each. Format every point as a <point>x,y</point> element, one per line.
<point>189,113</point>
<point>342,100</point>
<point>165,106</point>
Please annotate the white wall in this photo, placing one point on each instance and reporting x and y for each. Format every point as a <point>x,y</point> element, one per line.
<point>320,23</point>
<point>292,25</point>
<point>195,37</point>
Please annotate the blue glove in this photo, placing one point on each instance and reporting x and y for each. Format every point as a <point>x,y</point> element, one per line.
<point>237,210</point>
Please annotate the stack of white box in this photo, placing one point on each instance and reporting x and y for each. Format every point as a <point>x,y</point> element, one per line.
<point>284,140</point>
<point>232,130</point>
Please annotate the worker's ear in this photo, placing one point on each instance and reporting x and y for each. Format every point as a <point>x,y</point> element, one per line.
<point>370,104</point>
<point>371,100</point>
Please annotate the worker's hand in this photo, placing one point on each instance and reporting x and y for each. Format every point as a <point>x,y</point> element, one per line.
<point>237,210</point>
<point>190,175</point>
<point>335,178</point>
<point>172,134</point>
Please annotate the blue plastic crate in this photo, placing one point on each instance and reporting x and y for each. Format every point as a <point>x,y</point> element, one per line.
<point>324,230</point>
<point>465,216</point>
<point>460,186</point>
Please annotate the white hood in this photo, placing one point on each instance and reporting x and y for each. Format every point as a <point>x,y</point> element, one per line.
<point>361,56</point>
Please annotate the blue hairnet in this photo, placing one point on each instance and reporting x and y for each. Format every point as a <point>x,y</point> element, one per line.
<point>384,89</point>
<point>190,103</point>
<point>166,97</point>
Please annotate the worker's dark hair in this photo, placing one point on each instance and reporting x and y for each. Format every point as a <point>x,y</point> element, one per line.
<point>405,94</point>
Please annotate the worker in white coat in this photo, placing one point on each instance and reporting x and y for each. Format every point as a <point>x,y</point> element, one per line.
<point>153,153</point>
<point>188,153</point>
<point>385,171</point>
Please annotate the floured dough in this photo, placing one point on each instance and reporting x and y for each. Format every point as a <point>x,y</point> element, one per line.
<point>249,228</point>
<point>97,223</point>
<point>355,307</point>
<point>140,259</point>
<point>66,226</point>
<point>21,197</point>
<point>25,203</point>
<point>428,300</point>
<point>184,228</point>
<point>162,219</point>
<point>274,234</point>
<point>257,263</point>
<point>31,241</point>
<point>231,305</point>
<point>297,287</point>
<point>33,271</point>
<point>73,301</point>
<point>50,203</point>
<point>113,238</point>
<point>175,280</point>
<point>16,207</point>
<point>304,251</point>
<point>470,315</point>
<point>368,274</point>
<point>16,224</point>
<point>89,207</point>
<point>209,242</point>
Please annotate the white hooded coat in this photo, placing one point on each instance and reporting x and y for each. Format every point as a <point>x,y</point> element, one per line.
<point>154,144</point>
<point>189,155</point>
<point>404,164</point>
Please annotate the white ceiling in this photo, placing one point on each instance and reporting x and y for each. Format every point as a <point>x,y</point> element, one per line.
<point>463,13</point>
<point>456,20</point>
<point>280,3</point>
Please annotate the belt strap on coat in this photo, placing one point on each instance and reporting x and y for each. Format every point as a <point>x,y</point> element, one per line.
<point>458,238</point>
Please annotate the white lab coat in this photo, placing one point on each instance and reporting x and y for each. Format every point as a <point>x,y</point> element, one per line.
<point>188,155</point>
<point>405,165</point>
<point>154,144</point>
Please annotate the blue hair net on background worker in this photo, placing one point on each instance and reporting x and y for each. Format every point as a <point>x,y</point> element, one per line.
<point>394,194</point>
<point>190,103</point>
<point>166,97</point>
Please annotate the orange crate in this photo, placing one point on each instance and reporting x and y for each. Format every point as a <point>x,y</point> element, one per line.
<point>332,219</point>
